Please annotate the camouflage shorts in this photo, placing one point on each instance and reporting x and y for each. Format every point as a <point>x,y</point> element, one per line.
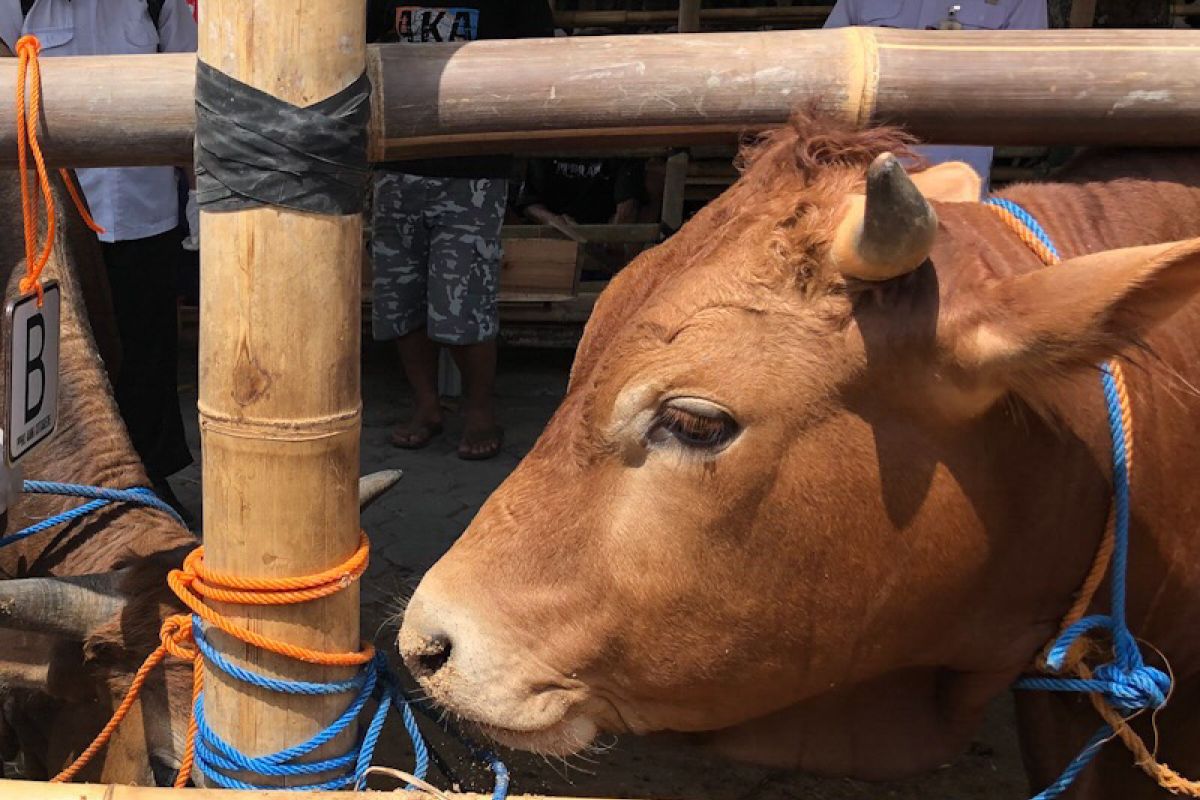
<point>435,244</point>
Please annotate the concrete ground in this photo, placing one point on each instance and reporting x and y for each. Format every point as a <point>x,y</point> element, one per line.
<point>412,526</point>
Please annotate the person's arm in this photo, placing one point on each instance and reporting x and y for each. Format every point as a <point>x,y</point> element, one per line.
<point>531,203</point>
<point>840,17</point>
<point>627,211</point>
<point>1029,15</point>
<point>628,191</point>
<point>177,27</point>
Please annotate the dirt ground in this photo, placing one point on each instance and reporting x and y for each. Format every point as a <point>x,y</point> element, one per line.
<point>420,519</point>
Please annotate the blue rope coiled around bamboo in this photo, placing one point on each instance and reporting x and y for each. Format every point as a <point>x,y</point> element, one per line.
<point>215,756</point>
<point>99,498</point>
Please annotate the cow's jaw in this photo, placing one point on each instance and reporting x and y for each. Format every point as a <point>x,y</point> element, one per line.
<point>493,682</point>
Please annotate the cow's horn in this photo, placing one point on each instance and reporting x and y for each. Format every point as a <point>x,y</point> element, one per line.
<point>372,487</point>
<point>890,231</point>
<point>72,607</point>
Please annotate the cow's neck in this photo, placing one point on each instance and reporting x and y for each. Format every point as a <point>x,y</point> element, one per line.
<point>1163,373</point>
<point>90,445</point>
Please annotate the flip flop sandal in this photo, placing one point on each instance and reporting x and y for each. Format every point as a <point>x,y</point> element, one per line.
<point>415,437</point>
<point>495,438</point>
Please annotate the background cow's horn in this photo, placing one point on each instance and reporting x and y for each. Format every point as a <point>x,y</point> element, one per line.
<point>890,231</point>
<point>372,487</point>
<point>71,607</point>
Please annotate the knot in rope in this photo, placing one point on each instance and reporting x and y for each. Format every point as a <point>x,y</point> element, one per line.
<point>1131,690</point>
<point>184,636</point>
<point>29,46</point>
<point>28,117</point>
<point>1125,686</point>
<point>176,637</point>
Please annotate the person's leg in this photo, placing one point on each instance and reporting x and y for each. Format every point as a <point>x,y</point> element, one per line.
<point>464,268</point>
<point>399,255</point>
<point>142,274</point>
<point>481,435</point>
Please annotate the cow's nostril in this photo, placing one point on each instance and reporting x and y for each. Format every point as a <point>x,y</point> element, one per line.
<point>434,656</point>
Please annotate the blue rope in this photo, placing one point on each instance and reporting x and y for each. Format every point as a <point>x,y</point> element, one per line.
<point>1126,683</point>
<point>215,756</point>
<point>100,497</point>
<point>498,767</point>
<point>1027,220</point>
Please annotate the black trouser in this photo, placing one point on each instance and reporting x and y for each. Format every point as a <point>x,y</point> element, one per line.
<point>141,273</point>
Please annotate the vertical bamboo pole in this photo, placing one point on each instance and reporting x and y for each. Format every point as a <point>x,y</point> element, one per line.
<point>674,184</point>
<point>689,16</point>
<point>279,381</point>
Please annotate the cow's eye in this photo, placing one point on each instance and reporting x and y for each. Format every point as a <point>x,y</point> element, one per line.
<point>694,423</point>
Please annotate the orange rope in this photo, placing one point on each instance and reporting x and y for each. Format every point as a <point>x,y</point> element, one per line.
<point>1075,662</point>
<point>29,70</point>
<point>193,584</point>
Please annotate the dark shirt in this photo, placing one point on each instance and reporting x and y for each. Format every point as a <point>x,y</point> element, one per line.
<point>435,21</point>
<point>587,190</point>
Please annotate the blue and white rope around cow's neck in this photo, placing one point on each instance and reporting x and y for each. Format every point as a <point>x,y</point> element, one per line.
<point>99,498</point>
<point>1126,683</point>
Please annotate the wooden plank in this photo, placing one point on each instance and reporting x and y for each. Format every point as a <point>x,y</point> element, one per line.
<point>1073,87</point>
<point>538,269</point>
<point>32,790</point>
<point>557,336</point>
<point>619,18</point>
<point>598,234</point>
<point>280,407</point>
<point>574,310</point>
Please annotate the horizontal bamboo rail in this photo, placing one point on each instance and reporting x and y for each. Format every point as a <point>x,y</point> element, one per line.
<point>788,15</point>
<point>30,790</point>
<point>1078,87</point>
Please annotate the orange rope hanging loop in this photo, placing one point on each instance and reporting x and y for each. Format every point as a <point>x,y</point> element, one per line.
<point>195,583</point>
<point>29,71</point>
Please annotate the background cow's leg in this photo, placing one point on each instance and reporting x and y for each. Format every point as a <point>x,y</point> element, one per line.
<point>1054,727</point>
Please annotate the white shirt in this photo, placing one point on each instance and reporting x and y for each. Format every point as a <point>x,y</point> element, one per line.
<point>128,202</point>
<point>922,14</point>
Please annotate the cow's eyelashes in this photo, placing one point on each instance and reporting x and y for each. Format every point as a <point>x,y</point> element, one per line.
<point>695,424</point>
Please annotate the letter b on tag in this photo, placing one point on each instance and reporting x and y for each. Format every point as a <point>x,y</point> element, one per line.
<point>31,337</point>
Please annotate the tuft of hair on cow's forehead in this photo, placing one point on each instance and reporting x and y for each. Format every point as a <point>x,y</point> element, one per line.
<point>782,212</point>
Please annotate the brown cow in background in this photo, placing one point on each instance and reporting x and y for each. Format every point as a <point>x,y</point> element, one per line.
<point>831,467</point>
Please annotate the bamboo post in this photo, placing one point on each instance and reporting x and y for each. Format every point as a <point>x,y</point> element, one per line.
<point>674,183</point>
<point>689,16</point>
<point>279,384</point>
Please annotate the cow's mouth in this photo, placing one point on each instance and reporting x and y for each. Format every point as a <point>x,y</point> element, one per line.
<point>564,738</point>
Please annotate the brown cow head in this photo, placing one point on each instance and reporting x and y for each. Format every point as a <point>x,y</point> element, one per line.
<point>783,474</point>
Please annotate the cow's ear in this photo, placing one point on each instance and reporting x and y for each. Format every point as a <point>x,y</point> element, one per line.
<point>950,182</point>
<point>1078,312</point>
